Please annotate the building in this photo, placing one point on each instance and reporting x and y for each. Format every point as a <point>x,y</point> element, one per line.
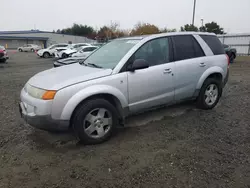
<point>14,39</point>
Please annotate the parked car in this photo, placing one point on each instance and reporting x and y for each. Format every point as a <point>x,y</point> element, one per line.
<point>68,61</point>
<point>98,44</point>
<point>124,77</point>
<point>3,54</point>
<point>231,52</point>
<point>72,49</point>
<point>50,51</point>
<point>84,52</point>
<point>29,48</point>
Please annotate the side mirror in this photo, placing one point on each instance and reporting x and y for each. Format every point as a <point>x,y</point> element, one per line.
<point>138,64</point>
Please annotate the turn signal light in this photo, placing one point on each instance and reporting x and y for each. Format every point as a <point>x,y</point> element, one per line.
<point>49,95</point>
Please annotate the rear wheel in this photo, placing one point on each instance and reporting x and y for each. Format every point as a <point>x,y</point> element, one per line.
<point>46,55</point>
<point>32,50</point>
<point>210,94</point>
<point>95,121</point>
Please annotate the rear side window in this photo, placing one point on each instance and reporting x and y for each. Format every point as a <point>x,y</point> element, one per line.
<point>214,43</point>
<point>186,47</point>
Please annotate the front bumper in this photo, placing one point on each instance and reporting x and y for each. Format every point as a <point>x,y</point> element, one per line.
<point>44,122</point>
<point>37,114</point>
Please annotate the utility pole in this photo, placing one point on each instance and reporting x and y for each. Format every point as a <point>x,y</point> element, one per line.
<point>194,12</point>
<point>202,22</point>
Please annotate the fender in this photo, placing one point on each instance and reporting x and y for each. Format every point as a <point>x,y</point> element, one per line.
<point>88,92</point>
<point>208,72</point>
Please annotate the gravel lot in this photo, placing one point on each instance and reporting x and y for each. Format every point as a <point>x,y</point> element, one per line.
<point>191,149</point>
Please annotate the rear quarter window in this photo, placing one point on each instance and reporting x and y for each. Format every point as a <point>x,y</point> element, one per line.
<point>214,43</point>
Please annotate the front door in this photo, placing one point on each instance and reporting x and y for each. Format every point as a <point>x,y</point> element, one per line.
<point>152,86</point>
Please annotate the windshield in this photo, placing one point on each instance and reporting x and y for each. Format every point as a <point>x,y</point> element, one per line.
<point>110,54</point>
<point>2,48</point>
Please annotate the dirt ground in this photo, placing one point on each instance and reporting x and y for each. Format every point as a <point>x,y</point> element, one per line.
<point>192,149</point>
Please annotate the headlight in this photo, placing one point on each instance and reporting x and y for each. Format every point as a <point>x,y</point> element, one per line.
<point>40,93</point>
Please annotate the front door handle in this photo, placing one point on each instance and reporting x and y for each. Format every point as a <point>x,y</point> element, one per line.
<point>202,64</point>
<point>167,71</point>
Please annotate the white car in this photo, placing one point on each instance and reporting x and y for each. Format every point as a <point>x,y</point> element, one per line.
<point>85,51</point>
<point>72,49</point>
<point>29,47</point>
<point>51,50</point>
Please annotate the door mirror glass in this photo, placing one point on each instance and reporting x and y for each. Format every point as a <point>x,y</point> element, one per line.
<point>138,64</point>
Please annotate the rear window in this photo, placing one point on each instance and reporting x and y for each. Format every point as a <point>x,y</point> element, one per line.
<point>186,47</point>
<point>214,43</point>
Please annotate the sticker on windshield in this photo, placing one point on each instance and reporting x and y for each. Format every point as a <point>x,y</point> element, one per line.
<point>132,42</point>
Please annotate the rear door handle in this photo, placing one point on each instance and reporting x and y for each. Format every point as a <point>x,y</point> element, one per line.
<point>167,71</point>
<point>202,64</point>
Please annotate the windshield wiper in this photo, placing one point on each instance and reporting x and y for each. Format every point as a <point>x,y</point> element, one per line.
<point>94,65</point>
<point>82,63</point>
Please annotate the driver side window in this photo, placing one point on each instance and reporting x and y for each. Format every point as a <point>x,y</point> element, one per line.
<point>155,52</point>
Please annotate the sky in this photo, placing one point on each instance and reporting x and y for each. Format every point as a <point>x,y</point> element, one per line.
<point>49,15</point>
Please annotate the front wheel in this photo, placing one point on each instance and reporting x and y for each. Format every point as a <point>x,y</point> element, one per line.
<point>20,50</point>
<point>64,55</point>
<point>210,94</point>
<point>32,50</point>
<point>46,55</point>
<point>95,121</point>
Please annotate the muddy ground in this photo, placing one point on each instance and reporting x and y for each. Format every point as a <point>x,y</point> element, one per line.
<point>195,148</point>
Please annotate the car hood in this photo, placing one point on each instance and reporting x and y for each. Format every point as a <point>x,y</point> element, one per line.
<point>57,78</point>
<point>42,50</point>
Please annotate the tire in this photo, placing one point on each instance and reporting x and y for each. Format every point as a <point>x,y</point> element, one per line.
<point>46,55</point>
<point>89,121</point>
<point>20,50</point>
<point>232,57</point>
<point>32,50</point>
<point>64,55</point>
<point>203,100</point>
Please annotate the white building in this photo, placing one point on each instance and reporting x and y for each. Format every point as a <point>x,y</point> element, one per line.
<point>14,39</point>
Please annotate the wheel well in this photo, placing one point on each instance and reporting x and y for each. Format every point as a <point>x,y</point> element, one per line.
<point>111,98</point>
<point>217,76</point>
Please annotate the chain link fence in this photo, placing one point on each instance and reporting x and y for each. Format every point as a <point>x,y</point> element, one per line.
<point>241,42</point>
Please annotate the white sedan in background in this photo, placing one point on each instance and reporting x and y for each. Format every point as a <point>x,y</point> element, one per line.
<point>72,49</point>
<point>29,47</point>
<point>51,50</point>
<point>85,51</point>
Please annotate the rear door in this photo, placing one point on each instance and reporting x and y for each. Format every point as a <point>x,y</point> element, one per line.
<point>190,64</point>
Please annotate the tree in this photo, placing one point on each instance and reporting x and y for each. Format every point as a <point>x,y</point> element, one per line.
<point>189,27</point>
<point>166,30</point>
<point>144,29</point>
<point>79,30</point>
<point>212,27</point>
<point>111,31</point>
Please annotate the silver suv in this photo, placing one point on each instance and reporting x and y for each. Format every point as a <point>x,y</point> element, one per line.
<point>123,77</point>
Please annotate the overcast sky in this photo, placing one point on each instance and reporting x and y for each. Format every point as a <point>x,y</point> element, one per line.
<point>48,15</point>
